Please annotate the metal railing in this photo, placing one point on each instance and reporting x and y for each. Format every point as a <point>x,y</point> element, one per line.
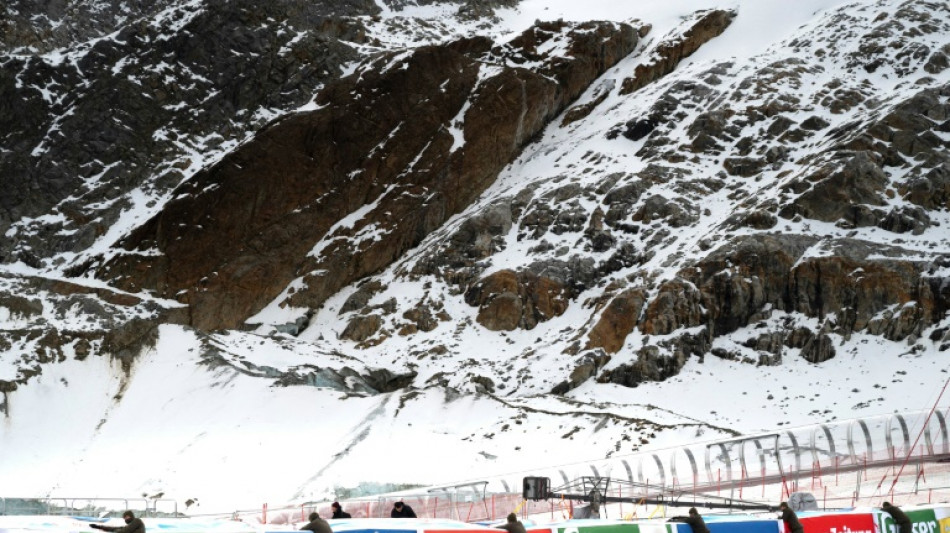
<point>80,506</point>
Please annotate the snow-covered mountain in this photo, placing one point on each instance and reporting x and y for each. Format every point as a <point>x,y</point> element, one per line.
<point>268,253</point>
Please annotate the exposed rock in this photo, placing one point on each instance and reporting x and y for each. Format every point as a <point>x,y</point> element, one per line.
<point>673,213</point>
<point>668,54</point>
<point>818,348</point>
<point>239,232</point>
<point>743,166</point>
<point>617,321</point>
<point>507,300</point>
<point>122,93</point>
<point>758,219</point>
<point>651,365</point>
<point>362,327</point>
<point>931,191</point>
<point>842,194</point>
<point>361,297</point>
<point>676,305</point>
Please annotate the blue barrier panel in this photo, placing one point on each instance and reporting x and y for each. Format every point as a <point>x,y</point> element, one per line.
<point>724,525</point>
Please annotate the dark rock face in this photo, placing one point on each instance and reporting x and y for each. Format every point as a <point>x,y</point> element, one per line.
<point>380,147</point>
<point>842,195</point>
<point>142,101</point>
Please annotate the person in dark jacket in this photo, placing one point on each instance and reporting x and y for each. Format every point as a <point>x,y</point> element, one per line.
<point>903,523</point>
<point>513,525</point>
<point>132,524</point>
<point>696,521</point>
<point>317,524</point>
<point>790,518</point>
<point>401,510</point>
<point>338,511</point>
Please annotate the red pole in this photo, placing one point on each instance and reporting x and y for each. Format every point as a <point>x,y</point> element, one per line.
<point>718,480</point>
<point>930,493</point>
<point>264,514</point>
<point>620,493</point>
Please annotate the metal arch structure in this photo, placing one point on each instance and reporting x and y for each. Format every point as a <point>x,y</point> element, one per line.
<point>660,468</point>
<point>725,453</point>
<point>797,453</point>
<point>944,440</point>
<point>813,441</point>
<point>692,464</point>
<point>889,437</point>
<point>761,451</point>
<point>629,470</point>
<point>868,442</point>
<point>785,456</point>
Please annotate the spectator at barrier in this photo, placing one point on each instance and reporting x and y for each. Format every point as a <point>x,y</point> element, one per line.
<point>401,510</point>
<point>790,518</point>
<point>132,525</point>
<point>317,524</point>
<point>903,523</point>
<point>338,511</point>
<point>513,525</point>
<point>696,521</point>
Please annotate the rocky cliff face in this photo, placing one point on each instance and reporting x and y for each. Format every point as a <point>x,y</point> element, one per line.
<point>770,211</point>
<point>118,118</point>
<point>408,140</point>
<point>578,196</point>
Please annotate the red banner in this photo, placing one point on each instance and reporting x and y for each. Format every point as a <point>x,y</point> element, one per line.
<point>838,523</point>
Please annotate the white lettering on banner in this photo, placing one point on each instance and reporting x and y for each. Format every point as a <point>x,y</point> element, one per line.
<point>923,527</point>
<point>846,529</point>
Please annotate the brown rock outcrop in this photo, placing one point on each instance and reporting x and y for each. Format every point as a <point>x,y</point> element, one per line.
<point>852,286</point>
<point>508,300</point>
<point>338,193</point>
<point>617,321</point>
<point>668,54</point>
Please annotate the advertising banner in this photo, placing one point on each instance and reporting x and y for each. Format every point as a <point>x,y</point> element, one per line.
<point>581,526</point>
<point>921,521</point>
<point>943,518</point>
<point>746,526</point>
<point>838,523</point>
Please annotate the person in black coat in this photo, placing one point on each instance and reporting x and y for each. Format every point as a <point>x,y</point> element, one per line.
<point>513,525</point>
<point>132,525</point>
<point>401,510</point>
<point>317,524</point>
<point>790,518</point>
<point>903,523</point>
<point>338,511</point>
<point>696,522</point>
